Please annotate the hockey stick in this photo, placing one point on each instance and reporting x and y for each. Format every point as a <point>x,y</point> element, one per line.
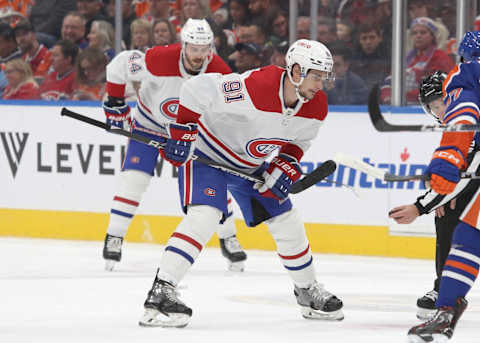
<point>381,174</point>
<point>321,172</point>
<point>382,125</point>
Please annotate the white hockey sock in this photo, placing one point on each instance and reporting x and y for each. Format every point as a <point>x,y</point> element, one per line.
<point>292,247</point>
<point>132,185</point>
<point>187,242</point>
<point>227,229</point>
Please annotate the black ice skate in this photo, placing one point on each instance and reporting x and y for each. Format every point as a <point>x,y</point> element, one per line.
<point>426,307</point>
<point>440,328</point>
<point>317,303</point>
<point>112,251</point>
<point>163,308</point>
<point>233,252</point>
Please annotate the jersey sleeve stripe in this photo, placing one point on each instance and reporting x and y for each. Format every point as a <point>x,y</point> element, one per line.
<point>292,150</point>
<point>464,111</point>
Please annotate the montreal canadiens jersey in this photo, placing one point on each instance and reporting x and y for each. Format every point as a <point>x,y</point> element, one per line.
<point>242,118</point>
<point>161,73</point>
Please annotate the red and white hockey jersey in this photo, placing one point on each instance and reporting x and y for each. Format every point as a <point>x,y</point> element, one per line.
<point>242,118</point>
<point>161,73</point>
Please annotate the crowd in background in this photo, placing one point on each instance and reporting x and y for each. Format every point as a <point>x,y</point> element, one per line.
<point>58,49</point>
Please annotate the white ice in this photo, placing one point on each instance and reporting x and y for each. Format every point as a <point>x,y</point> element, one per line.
<point>57,291</point>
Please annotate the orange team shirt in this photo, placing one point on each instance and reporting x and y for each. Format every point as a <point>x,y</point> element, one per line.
<point>21,6</point>
<point>141,7</point>
<point>88,92</point>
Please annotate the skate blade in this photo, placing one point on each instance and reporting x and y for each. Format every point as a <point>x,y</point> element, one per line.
<point>425,314</point>
<point>310,313</point>
<point>236,267</point>
<point>154,318</point>
<point>110,265</point>
<point>437,338</point>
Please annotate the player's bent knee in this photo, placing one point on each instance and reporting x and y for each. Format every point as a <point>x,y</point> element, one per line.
<point>134,181</point>
<point>200,222</point>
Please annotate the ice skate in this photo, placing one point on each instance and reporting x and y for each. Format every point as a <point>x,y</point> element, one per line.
<point>112,251</point>
<point>233,252</point>
<point>440,328</point>
<point>163,308</point>
<point>426,308</point>
<point>317,303</point>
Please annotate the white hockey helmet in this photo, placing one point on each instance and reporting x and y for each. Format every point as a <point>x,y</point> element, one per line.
<point>197,31</point>
<point>308,54</point>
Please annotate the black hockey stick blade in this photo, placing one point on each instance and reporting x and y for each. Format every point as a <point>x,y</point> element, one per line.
<point>377,119</point>
<point>321,172</point>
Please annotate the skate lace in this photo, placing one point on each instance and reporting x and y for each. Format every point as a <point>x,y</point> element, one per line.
<point>432,295</point>
<point>319,294</point>
<point>168,291</point>
<point>114,244</point>
<point>232,244</point>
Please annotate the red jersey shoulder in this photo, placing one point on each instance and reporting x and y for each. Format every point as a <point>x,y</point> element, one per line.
<point>263,86</point>
<point>163,60</point>
<point>217,65</point>
<point>317,108</point>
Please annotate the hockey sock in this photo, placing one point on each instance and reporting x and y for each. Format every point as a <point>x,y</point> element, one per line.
<point>187,242</point>
<point>131,187</point>
<point>292,247</point>
<point>227,228</point>
<point>461,267</point>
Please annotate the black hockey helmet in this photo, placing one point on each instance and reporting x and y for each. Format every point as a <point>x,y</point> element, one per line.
<point>430,90</point>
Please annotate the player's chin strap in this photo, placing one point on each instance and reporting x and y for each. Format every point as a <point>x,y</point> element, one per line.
<point>303,73</point>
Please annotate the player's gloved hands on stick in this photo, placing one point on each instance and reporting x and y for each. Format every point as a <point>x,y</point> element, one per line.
<point>117,113</point>
<point>282,172</point>
<point>444,169</point>
<point>180,146</point>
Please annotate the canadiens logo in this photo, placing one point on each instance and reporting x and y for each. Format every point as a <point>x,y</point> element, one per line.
<point>169,108</point>
<point>210,192</point>
<point>135,68</point>
<point>261,148</point>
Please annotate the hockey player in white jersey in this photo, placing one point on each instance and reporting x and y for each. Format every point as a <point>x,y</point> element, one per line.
<point>240,120</point>
<point>161,70</point>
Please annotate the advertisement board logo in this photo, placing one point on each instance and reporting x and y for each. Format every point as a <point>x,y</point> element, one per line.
<point>14,145</point>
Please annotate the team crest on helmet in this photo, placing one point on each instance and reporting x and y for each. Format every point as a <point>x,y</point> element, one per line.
<point>262,147</point>
<point>169,108</point>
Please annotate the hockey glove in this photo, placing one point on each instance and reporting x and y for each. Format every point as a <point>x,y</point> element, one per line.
<point>117,113</point>
<point>444,169</point>
<point>181,144</point>
<point>282,172</point>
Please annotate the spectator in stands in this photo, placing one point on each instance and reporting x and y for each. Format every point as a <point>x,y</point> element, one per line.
<point>8,45</point>
<point>327,8</point>
<point>92,10</point>
<point>21,85</point>
<point>303,27</point>
<point>141,35</point>
<point>128,15</point>
<point>256,33</point>
<point>102,37</point>
<point>47,17</point>
<point>158,9</point>
<point>249,57</point>
<point>345,32</point>
<point>279,52</point>
<point>73,29</point>
<point>383,19</point>
<point>196,9</point>
<point>424,8</point>
<point>163,32</point>
<point>277,25</point>
<point>424,59</point>
<point>58,84</point>
<point>259,8</point>
<point>90,75</point>
<point>237,15</point>
<point>357,11</point>
<point>35,54</point>
<point>348,88</point>
<point>371,59</point>
<point>326,30</point>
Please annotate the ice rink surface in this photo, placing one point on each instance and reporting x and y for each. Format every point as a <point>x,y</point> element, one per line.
<point>57,291</point>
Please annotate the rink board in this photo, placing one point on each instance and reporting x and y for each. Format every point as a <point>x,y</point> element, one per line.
<point>59,175</point>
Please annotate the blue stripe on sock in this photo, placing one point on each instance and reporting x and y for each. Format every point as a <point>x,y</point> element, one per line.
<point>303,266</point>
<point>121,213</point>
<point>180,252</point>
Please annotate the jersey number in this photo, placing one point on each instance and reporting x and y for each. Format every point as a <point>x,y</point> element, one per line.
<point>232,91</point>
